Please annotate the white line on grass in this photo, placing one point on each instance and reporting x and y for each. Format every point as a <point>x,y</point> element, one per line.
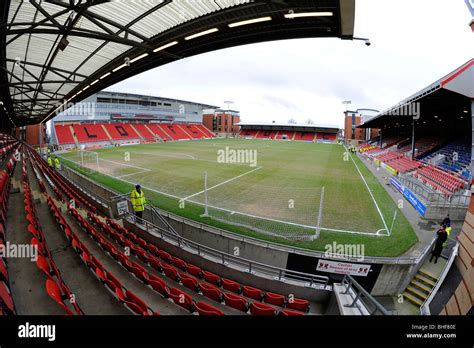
<point>222,183</point>
<point>368,189</point>
<point>126,165</point>
<point>131,174</point>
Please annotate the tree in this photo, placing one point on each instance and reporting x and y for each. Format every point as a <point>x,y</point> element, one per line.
<point>309,121</point>
<point>292,121</point>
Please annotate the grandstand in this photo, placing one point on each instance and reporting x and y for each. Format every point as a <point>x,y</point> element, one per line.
<point>273,131</point>
<point>109,118</point>
<point>217,237</point>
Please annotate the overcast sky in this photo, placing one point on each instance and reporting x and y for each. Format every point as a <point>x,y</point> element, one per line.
<point>414,43</point>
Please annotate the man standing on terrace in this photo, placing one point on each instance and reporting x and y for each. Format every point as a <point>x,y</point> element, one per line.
<point>138,202</point>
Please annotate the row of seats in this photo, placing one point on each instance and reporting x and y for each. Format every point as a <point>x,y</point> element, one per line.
<point>438,179</point>
<point>457,158</point>
<point>156,283</point>
<point>290,135</point>
<point>55,285</point>
<point>59,181</point>
<point>404,164</point>
<point>389,156</point>
<point>7,306</point>
<point>126,297</point>
<point>107,132</point>
<point>189,274</point>
<point>168,269</point>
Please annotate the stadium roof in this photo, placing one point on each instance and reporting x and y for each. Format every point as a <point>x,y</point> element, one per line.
<point>151,97</point>
<point>446,93</point>
<point>288,125</point>
<point>59,51</point>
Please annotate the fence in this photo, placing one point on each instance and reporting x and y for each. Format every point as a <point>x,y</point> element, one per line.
<point>361,298</point>
<point>430,197</point>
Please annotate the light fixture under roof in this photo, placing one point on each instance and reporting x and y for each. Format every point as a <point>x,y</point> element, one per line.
<point>202,33</point>
<point>119,67</point>
<point>161,48</point>
<point>308,14</point>
<point>139,57</point>
<point>105,75</point>
<point>250,21</point>
<point>435,116</point>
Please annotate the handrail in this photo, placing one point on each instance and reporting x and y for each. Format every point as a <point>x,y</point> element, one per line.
<point>227,259</point>
<point>274,245</point>
<point>361,297</point>
<point>425,306</point>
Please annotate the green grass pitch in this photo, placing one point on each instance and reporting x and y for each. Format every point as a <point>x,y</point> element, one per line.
<point>285,184</point>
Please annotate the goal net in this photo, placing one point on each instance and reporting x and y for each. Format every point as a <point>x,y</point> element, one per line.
<point>88,161</point>
<point>285,212</point>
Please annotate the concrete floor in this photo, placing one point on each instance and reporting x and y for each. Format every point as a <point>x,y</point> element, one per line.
<point>80,280</point>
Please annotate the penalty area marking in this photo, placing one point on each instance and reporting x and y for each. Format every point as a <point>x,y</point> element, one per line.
<point>370,191</point>
<point>222,183</point>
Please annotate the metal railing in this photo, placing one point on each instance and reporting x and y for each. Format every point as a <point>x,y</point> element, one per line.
<point>276,273</point>
<point>430,197</point>
<point>361,299</point>
<point>242,238</point>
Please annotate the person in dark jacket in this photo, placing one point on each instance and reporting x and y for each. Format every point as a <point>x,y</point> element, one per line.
<point>438,248</point>
<point>446,221</point>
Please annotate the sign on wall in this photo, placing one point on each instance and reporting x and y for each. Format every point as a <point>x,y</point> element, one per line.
<point>417,204</point>
<point>122,207</point>
<point>352,269</point>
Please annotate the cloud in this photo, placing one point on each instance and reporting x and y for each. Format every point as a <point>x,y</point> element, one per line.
<point>413,44</point>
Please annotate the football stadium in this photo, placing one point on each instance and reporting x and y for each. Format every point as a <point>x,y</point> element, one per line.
<point>121,203</point>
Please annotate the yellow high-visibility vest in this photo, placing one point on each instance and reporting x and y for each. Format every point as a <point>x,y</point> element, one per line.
<point>138,200</point>
<point>50,162</point>
<point>56,163</point>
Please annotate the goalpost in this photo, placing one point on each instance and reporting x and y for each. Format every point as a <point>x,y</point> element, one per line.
<point>290,213</point>
<point>88,160</point>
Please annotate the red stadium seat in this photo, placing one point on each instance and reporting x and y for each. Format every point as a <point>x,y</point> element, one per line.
<point>275,299</point>
<point>112,283</point>
<point>251,292</point>
<point>211,291</point>
<point>236,302</point>
<point>231,286</point>
<point>158,285</point>
<point>54,292</point>
<point>194,270</point>
<point>257,308</point>
<point>139,272</point>
<point>164,256</point>
<point>182,299</point>
<point>206,309</point>
<point>179,263</point>
<point>298,304</point>
<point>3,271</point>
<point>189,282</point>
<point>212,278</point>
<point>6,300</point>
<point>170,272</point>
<point>43,265</point>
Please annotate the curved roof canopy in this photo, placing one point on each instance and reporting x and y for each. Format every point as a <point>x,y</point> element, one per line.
<point>56,52</point>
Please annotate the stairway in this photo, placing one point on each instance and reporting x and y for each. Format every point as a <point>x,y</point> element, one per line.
<point>420,287</point>
<point>74,136</point>
<point>136,131</point>
<point>106,132</point>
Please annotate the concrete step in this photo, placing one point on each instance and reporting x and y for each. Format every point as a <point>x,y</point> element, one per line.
<point>420,286</point>
<point>424,279</point>
<point>421,295</point>
<point>412,299</point>
<point>428,275</point>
